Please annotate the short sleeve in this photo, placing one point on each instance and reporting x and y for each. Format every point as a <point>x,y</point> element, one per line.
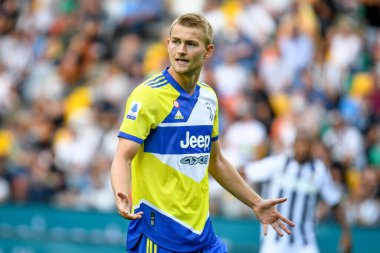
<point>139,117</point>
<point>330,192</point>
<point>215,128</point>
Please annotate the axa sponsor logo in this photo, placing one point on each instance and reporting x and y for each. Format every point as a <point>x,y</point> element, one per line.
<point>193,141</point>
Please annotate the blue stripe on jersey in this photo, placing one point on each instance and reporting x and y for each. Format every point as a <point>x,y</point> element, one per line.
<point>179,140</point>
<point>156,80</point>
<point>178,87</point>
<point>160,227</point>
<point>215,138</point>
<point>159,84</point>
<point>130,137</point>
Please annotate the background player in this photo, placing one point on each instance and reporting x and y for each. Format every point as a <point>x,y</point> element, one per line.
<point>302,179</point>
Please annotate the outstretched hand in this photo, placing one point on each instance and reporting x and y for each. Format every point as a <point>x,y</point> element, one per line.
<point>124,208</point>
<point>267,214</point>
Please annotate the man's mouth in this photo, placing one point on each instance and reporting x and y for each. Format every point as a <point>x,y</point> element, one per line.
<point>181,61</point>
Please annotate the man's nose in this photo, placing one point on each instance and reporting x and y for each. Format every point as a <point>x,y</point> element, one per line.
<point>182,49</point>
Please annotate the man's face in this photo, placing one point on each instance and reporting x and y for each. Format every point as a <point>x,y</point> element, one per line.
<point>302,148</point>
<point>187,49</point>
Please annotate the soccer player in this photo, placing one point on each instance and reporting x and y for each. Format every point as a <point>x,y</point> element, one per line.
<point>303,179</point>
<point>168,142</point>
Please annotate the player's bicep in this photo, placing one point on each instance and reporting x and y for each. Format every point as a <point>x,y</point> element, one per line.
<point>127,149</point>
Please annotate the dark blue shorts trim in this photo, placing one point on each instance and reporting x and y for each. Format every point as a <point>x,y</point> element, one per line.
<point>145,245</point>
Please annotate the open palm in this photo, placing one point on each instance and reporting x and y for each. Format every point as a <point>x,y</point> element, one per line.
<point>267,214</point>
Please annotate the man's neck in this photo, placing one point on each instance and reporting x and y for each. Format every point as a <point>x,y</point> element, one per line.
<point>302,160</point>
<point>187,82</point>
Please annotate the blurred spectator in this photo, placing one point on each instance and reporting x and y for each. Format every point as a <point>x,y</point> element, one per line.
<point>129,56</point>
<point>261,105</point>
<point>245,139</point>
<point>375,96</point>
<point>217,18</point>
<point>362,208</point>
<point>273,70</point>
<point>344,38</point>
<point>230,78</point>
<point>178,7</point>
<point>372,145</point>
<point>4,185</point>
<point>326,11</point>
<point>296,47</point>
<point>7,91</point>
<point>136,17</point>
<point>291,115</point>
<point>16,55</point>
<point>277,7</point>
<point>9,14</point>
<point>96,195</point>
<point>345,142</point>
<point>255,12</point>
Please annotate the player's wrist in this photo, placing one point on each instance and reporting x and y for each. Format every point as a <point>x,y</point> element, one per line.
<point>256,203</point>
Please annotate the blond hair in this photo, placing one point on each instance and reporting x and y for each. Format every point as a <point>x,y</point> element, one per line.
<point>195,20</point>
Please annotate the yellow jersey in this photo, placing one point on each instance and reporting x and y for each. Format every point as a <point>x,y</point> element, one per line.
<point>170,170</point>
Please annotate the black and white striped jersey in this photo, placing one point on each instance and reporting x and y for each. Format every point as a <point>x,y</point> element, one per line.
<point>302,184</point>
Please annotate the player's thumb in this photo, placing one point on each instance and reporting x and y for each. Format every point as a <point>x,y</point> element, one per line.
<point>122,196</point>
<point>279,201</point>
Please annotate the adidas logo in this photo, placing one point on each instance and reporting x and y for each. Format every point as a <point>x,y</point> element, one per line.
<point>178,115</point>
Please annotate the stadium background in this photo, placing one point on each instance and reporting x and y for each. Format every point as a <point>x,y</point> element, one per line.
<point>67,67</point>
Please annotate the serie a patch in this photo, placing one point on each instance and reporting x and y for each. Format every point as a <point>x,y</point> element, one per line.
<point>134,110</point>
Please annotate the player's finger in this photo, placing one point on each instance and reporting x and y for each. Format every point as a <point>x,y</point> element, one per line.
<point>265,229</point>
<point>277,229</point>
<point>134,216</point>
<point>283,227</point>
<point>289,222</point>
<point>125,213</point>
<point>130,216</point>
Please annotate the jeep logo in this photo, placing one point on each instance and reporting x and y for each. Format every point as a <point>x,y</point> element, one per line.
<point>202,141</point>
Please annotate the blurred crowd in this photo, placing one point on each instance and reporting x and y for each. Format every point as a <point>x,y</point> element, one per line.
<point>68,66</point>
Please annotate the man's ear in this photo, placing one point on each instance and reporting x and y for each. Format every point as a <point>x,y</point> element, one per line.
<point>209,51</point>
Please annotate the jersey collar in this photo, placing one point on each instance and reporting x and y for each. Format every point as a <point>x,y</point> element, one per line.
<point>178,87</point>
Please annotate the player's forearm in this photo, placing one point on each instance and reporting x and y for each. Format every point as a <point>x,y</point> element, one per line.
<point>227,176</point>
<point>121,174</point>
<point>341,218</point>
